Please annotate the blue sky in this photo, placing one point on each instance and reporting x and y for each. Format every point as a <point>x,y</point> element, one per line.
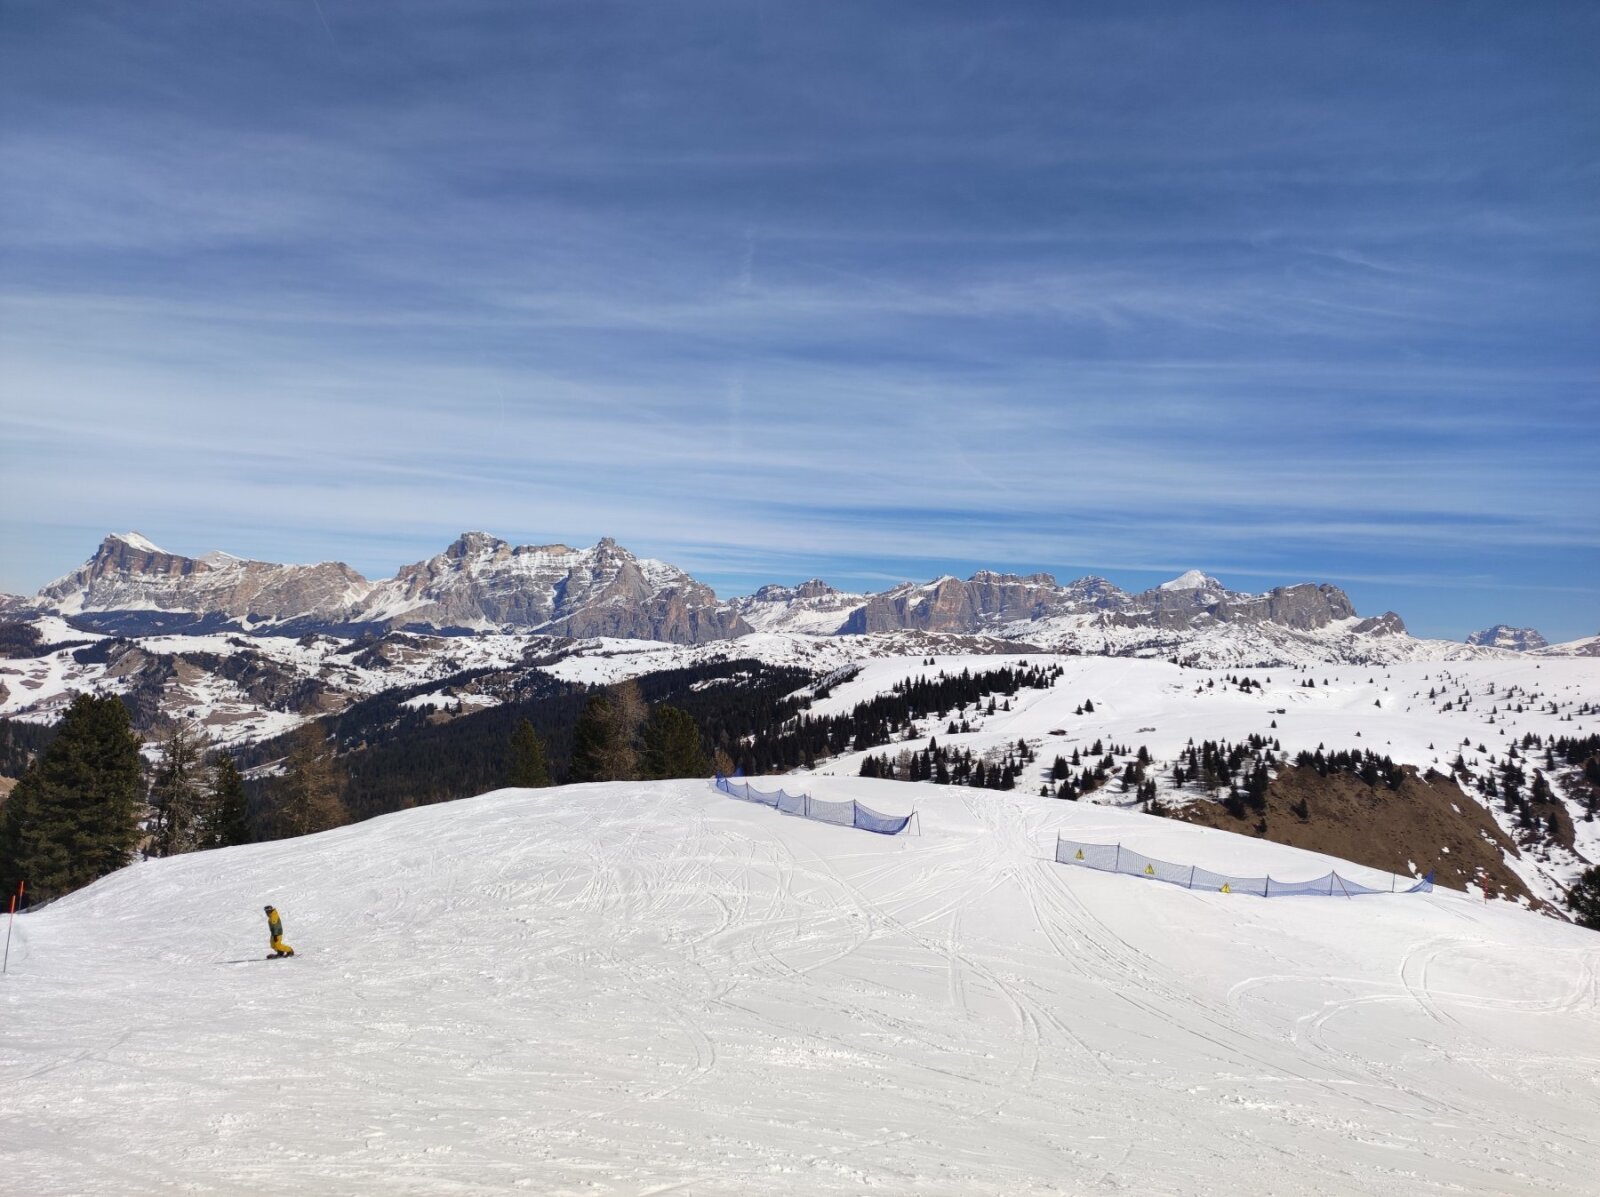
<point>865,291</point>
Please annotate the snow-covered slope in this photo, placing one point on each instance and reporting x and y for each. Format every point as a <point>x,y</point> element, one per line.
<point>1588,646</point>
<point>633,989</point>
<point>1418,714</point>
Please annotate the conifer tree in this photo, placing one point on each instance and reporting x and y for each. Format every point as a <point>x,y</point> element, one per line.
<point>177,797</point>
<point>591,740</point>
<point>74,816</point>
<point>530,768</point>
<point>307,797</point>
<point>1584,899</point>
<point>603,741</point>
<point>672,746</point>
<point>227,820</point>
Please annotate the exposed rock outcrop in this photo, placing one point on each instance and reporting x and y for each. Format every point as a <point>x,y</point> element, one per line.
<point>131,586</point>
<point>1519,640</point>
<point>129,574</point>
<point>601,591</point>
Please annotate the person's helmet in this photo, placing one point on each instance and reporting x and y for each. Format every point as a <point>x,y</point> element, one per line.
<point>268,909</point>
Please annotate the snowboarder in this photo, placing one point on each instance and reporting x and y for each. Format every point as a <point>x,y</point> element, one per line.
<point>275,928</point>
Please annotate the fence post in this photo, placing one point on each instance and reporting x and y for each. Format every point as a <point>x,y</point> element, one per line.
<point>1116,865</point>
<point>1266,890</point>
<point>1191,876</point>
<point>1332,877</point>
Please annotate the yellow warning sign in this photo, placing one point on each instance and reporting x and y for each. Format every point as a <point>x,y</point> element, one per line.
<point>1149,870</point>
<point>1080,854</point>
<point>1225,888</point>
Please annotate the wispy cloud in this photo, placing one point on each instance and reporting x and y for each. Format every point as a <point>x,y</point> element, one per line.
<point>773,294</point>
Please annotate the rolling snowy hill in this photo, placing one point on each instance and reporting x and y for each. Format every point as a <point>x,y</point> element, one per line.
<point>644,988</point>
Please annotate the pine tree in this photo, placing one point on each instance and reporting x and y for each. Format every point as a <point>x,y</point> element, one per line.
<point>591,741</point>
<point>307,796</point>
<point>604,739</point>
<point>227,821</point>
<point>1583,899</point>
<point>177,799</point>
<point>672,746</point>
<point>74,816</point>
<point>530,769</point>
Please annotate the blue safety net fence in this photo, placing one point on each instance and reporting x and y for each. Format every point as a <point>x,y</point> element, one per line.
<point>1114,858</point>
<point>844,813</point>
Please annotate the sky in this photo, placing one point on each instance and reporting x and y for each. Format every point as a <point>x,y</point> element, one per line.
<point>870,292</point>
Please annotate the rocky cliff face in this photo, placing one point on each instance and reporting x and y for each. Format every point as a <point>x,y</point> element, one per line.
<point>481,581</point>
<point>478,583</point>
<point>129,574</point>
<point>1519,640</point>
<point>987,601</point>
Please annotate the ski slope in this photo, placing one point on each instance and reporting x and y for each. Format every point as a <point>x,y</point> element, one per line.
<point>1164,707</point>
<point>648,988</point>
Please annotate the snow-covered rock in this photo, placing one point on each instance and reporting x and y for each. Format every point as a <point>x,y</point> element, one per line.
<point>154,589</point>
<point>1193,579</point>
<point>1519,640</point>
<point>481,581</point>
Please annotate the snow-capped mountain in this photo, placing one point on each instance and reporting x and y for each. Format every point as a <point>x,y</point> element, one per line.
<point>1519,640</point>
<point>131,584</point>
<point>483,584</point>
<point>1008,603</point>
<point>479,583</point>
<point>813,607</point>
<point>1587,646</point>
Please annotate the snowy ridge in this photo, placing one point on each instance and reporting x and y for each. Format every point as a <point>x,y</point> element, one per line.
<point>480,584</point>
<point>1503,636</point>
<point>1193,579</point>
<point>638,988</point>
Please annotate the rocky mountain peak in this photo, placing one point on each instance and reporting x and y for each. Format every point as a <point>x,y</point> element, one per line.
<point>1505,636</point>
<point>812,588</point>
<point>1192,579</point>
<point>474,544</point>
<point>132,540</point>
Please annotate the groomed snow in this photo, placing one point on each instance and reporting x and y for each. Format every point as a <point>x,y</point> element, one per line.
<point>643,988</point>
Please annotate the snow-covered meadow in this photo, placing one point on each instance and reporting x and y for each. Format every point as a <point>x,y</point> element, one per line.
<point>649,987</point>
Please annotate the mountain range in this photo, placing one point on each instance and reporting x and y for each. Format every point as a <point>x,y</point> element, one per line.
<point>480,583</point>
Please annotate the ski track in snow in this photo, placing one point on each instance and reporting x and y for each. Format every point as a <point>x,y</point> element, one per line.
<point>650,988</point>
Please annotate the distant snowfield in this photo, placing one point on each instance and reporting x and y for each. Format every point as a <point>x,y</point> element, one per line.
<point>648,988</point>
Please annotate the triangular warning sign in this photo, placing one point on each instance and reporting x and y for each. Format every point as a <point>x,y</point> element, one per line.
<point>1149,870</point>
<point>1225,888</point>
<point>1080,855</point>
